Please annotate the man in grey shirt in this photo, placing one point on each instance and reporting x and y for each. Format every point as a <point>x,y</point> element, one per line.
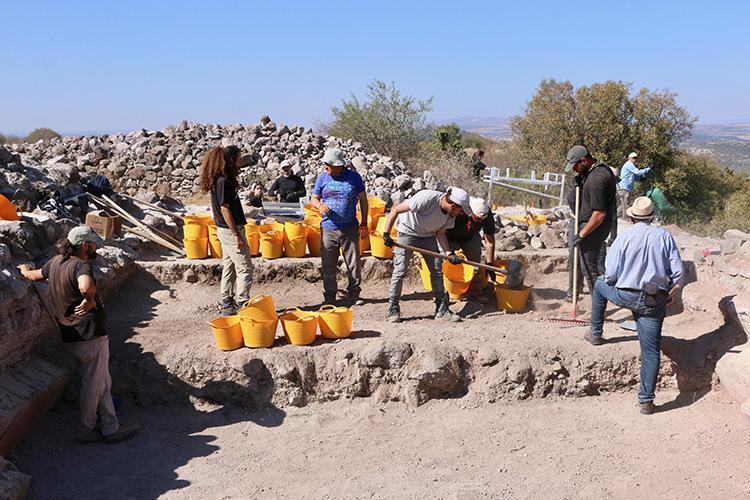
<point>422,222</point>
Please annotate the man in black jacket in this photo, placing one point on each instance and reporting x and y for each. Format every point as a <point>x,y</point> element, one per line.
<point>288,187</point>
<point>596,182</point>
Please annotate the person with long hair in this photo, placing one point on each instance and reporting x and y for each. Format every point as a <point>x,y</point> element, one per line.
<point>219,176</point>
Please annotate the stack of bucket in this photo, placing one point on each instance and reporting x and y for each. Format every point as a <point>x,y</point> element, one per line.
<point>256,323</point>
<point>214,245</point>
<point>195,235</point>
<point>271,239</point>
<point>295,239</point>
<point>252,235</point>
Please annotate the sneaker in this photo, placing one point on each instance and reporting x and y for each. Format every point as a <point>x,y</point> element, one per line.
<point>593,339</point>
<point>357,301</point>
<point>92,436</point>
<point>122,433</point>
<point>647,408</point>
<point>394,313</point>
<point>228,307</point>
<point>442,312</point>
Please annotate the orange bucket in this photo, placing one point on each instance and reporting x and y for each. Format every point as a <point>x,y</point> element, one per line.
<point>8,211</point>
<point>300,327</point>
<point>271,244</point>
<point>260,307</point>
<point>335,322</point>
<point>258,333</point>
<point>499,278</point>
<point>214,245</point>
<point>295,239</point>
<point>512,301</point>
<point>227,332</point>
<point>196,248</point>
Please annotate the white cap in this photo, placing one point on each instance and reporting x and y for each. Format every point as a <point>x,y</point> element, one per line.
<point>479,206</point>
<point>633,155</point>
<point>460,198</point>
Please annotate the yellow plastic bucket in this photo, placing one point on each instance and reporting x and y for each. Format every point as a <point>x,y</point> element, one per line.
<point>214,245</point>
<point>253,243</point>
<point>271,244</point>
<point>227,332</point>
<point>196,248</point>
<point>513,301</point>
<point>335,322</point>
<point>529,219</point>
<point>375,207</point>
<point>300,327</point>
<point>499,278</point>
<point>372,223</point>
<point>456,277</point>
<point>258,333</point>
<point>8,211</point>
<point>194,229</point>
<point>294,230</point>
<point>296,247</point>
<point>271,225</point>
<point>311,211</point>
<point>377,246</point>
<point>313,244</point>
<point>260,307</point>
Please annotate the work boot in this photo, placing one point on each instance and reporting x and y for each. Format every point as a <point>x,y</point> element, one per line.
<point>122,433</point>
<point>228,307</point>
<point>442,312</point>
<point>647,408</point>
<point>92,436</point>
<point>394,312</point>
<point>593,339</point>
<point>329,300</point>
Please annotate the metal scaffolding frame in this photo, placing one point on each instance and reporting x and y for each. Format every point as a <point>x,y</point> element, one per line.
<point>549,180</point>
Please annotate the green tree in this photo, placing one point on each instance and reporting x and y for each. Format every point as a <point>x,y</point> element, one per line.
<point>42,133</point>
<point>385,121</point>
<point>605,117</point>
<point>448,137</point>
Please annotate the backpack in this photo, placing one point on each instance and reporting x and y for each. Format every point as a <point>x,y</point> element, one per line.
<point>98,185</point>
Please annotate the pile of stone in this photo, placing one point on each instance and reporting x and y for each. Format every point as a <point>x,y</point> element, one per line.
<point>168,161</point>
<point>514,235</point>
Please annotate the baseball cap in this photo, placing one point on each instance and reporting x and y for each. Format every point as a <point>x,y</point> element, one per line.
<point>79,234</point>
<point>575,154</point>
<point>460,198</point>
<point>334,157</point>
<point>633,155</point>
<point>479,206</point>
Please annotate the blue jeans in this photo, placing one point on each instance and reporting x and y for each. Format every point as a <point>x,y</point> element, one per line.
<point>648,320</point>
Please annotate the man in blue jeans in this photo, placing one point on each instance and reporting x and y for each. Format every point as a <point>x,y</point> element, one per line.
<point>643,272</point>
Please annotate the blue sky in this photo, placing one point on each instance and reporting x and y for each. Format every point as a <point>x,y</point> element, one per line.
<point>80,66</point>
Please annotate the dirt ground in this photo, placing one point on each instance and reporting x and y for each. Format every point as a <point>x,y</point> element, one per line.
<point>588,447</point>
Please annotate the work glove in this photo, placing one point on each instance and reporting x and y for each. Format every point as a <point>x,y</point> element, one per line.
<point>491,275</point>
<point>454,259</point>
<point>577,239</point>
<point>388,240</point>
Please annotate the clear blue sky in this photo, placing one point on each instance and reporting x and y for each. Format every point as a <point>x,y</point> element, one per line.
<point>80,66</point>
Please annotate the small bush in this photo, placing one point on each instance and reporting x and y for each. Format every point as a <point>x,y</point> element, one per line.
<point>9,139</point>
<point>42,133</point>
<point>448,137</point>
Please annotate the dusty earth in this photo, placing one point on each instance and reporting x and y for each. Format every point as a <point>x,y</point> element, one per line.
<point>484,440</point>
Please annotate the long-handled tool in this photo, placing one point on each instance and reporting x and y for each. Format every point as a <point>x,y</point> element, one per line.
<point>514,275</point>
<point>573,320</point>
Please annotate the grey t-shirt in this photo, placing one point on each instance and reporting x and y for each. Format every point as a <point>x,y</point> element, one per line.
<point>425,217</point>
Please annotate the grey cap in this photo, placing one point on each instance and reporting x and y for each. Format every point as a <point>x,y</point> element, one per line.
<point>334,157</point>
<point>79,234</point>
<point>575,154</point>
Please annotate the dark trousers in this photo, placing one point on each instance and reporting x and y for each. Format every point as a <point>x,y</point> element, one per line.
<point>593,250</point>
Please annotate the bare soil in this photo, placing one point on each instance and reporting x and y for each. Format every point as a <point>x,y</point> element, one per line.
<point>477,409</point>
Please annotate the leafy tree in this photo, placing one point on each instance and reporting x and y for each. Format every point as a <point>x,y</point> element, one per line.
<point>385,121</point>
<point>448,137</point>
<point>606,118</point>
<point>42,133</point>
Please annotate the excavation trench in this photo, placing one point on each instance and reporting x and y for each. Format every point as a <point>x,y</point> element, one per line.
<point>163,350</point>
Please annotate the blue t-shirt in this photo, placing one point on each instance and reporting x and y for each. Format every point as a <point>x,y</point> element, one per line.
<point>340,194</point>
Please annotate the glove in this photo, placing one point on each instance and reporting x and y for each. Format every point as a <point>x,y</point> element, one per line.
<point>491,275</point>
<point>454,259</point>
<point>577,239</point>
<point>388,240</point>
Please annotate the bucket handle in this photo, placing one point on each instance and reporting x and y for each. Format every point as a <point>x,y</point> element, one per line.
<point>253,300</point>
<point>327,308</point>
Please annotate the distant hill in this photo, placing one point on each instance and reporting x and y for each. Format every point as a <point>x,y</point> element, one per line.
<point>491,127</point>
<point>728,144</point>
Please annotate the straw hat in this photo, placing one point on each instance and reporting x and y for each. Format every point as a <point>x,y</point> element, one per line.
<point>642,208</point>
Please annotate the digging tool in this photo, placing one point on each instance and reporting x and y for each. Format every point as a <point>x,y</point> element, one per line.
<point>514,275</point>
<point>576,252</point>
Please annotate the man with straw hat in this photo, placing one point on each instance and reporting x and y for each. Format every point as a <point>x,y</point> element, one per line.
<point>643,272</point>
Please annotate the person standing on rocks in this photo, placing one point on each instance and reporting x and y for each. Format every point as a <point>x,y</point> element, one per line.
<point>288,187</point>
<point>596,214</point>
<point>643,273</point>
<point>335,194</point>
<point>423,221</point>
<point>79,314</point>
<point>464,235</point>
<point>628,175</point>
<point>219,176</point>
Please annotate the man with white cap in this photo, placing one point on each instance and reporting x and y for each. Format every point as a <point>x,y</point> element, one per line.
<point>643,272</point>
<point>464,234</point>
<point>79,313</point>
<point>422,223</point>
<point>336,194</point>
<point>628,175</point>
